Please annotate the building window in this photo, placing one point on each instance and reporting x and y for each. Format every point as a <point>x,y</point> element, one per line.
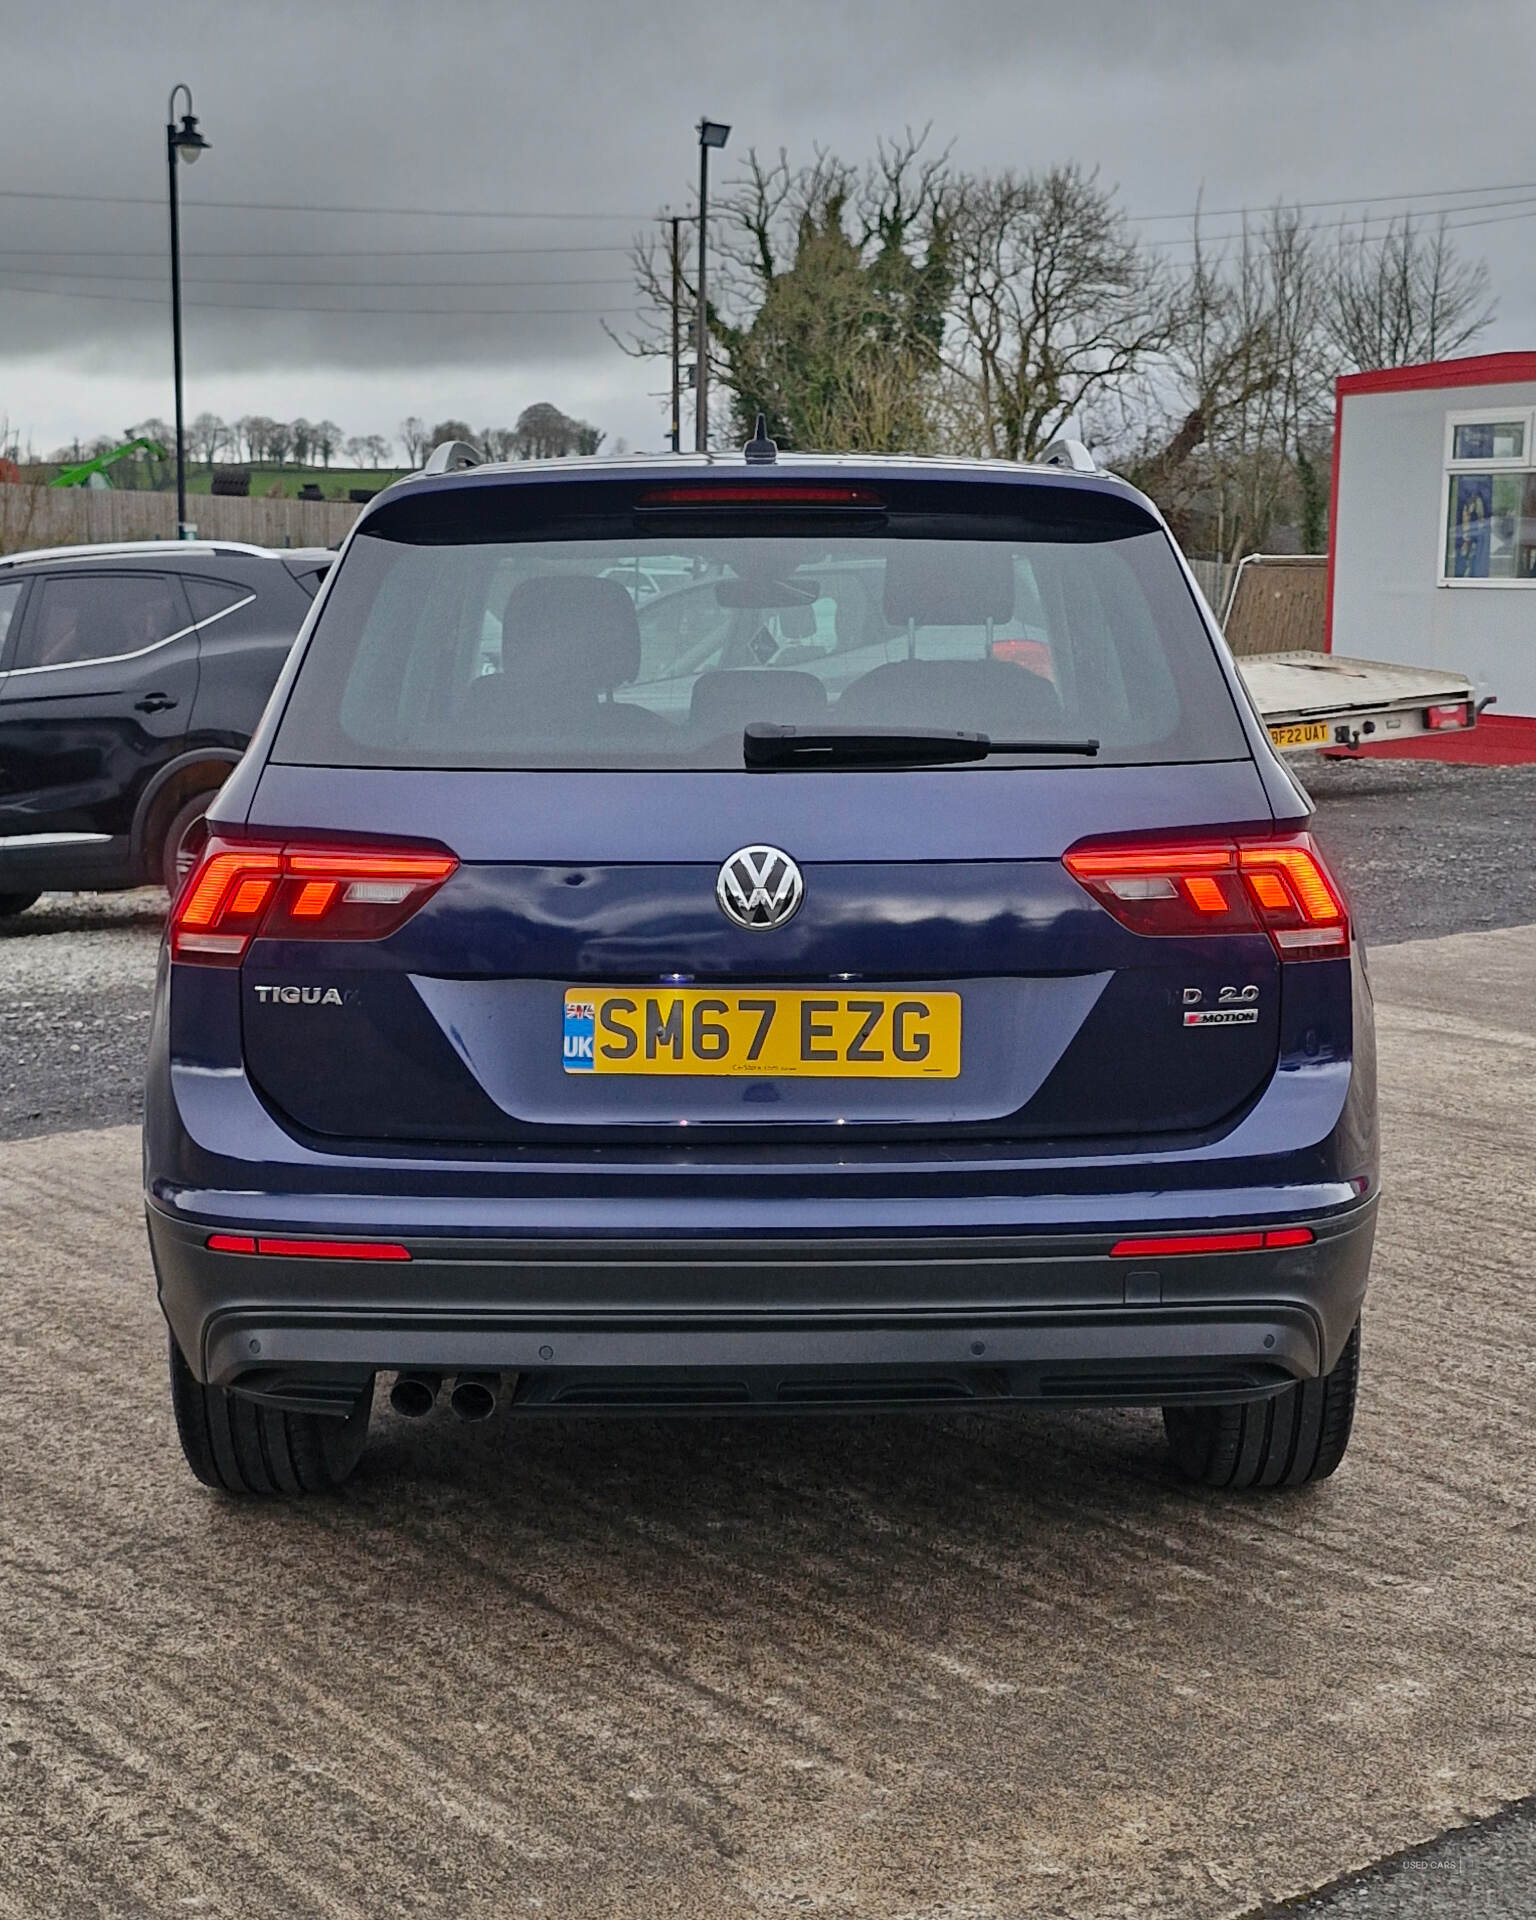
<point>1490,498</point>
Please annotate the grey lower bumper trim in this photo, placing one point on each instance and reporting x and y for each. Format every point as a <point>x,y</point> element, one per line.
<point>1040,1313</point>
<point>1249,1347</point>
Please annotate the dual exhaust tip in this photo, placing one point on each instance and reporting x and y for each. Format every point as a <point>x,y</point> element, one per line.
<point>472,1397</point>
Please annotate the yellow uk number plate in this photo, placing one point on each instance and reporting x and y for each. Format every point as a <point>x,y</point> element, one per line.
<point>762,1031</point>
<point>1311,734</point>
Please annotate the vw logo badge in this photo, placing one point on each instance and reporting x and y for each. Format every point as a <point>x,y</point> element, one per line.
<point>759,888</point>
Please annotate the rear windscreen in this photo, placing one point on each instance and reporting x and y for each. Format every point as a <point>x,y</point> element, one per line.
<point>655,649</point>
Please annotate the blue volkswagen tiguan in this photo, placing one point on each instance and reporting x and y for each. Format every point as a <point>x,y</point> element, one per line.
<point>767,935</point>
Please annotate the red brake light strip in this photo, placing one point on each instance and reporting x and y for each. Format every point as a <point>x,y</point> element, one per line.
<point>768,495</point>
<point>1250,1240</point>
<point>307,1249</point>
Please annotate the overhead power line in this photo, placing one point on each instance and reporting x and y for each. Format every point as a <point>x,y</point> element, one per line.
<point>319,253</point>
<point>289,206</point>
<point>1348,200</point>
<point>524,213</point>
<point>1347,222</point>
<point>284,306</point>
<point>247,280</point>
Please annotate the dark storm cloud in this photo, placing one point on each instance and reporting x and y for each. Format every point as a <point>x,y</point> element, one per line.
<point>584,109</point>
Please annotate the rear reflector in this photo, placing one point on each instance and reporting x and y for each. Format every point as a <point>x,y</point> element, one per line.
<point>239,890</point>
<point>1439,719</point>
<point>1279,886</point>
<point>1251,1240</point>
<point>307,1249</point>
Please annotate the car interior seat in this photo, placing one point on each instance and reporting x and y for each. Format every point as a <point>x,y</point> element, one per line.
<point>969,586</point>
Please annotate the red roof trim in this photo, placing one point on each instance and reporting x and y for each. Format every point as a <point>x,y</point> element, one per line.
<point>1479,370</point>
<point>1333,510</point>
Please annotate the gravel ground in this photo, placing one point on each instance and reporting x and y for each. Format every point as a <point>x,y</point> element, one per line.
<point>1484,1872</point>
<point>970,1668</point>
<point>77,974</point>
<point>1425,850</point>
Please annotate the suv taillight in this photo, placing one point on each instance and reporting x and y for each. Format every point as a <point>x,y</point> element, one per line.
<point>1223,886</point>
<point>240,889</point>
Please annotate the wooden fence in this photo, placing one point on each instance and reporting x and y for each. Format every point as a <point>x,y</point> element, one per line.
<point>1279,604</point>
<point>82,516</point>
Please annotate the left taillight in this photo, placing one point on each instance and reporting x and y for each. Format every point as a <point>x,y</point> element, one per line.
<point>1228,886</point>
<point>240,889</point>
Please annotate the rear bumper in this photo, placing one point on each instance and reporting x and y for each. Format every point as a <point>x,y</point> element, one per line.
<point>776,1322</point>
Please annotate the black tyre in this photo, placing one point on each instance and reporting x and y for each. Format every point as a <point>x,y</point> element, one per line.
<point>240,1447</point>
<point>1287,1441</point>
<point>183,837</point>
<point>13,903</point>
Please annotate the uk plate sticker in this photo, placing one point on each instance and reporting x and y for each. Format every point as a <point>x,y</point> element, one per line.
<point>580,1025</point>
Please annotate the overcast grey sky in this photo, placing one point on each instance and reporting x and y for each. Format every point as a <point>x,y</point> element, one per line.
<point>582,113</point>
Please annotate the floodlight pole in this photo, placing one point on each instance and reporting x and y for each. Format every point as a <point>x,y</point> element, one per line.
<point>712,133</point>
<point>677,340</point>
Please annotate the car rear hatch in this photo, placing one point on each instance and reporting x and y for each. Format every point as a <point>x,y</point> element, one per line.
<point>494,695</point>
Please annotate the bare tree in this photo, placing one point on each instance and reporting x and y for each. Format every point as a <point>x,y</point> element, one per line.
<point>500,443</point>
<point>325,439</point>
<point>207,438</point>
<point>415,438</point>
<point>154,428</point>
<point>450,430</point>
<point>543,432</point>
<point>828,297</point>
<point>1233,435</point>
<point>1405,296</point>
<point>1056,306</point>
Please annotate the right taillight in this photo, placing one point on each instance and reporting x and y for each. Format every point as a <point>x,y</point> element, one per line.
<point>240,889</point>
<point>1223,886</point>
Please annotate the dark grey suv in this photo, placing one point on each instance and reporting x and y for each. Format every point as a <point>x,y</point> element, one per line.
<point>131,678</point>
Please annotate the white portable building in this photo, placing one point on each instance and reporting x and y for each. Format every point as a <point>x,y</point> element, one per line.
<point>1432,535</point>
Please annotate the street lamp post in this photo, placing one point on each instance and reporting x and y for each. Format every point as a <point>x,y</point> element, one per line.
<point>711,134</point>
<point>184,143</point>
<point>677,343</point>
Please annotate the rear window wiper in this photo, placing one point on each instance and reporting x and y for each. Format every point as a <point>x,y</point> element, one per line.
<point>766,745</point>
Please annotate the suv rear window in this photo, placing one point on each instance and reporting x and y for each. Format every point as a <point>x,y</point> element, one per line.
<point>654,650</point>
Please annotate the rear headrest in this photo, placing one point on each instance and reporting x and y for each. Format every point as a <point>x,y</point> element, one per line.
<point>986,696</point>
<point>960,584</point>
<point>726,699</point>
<point>578,628</point>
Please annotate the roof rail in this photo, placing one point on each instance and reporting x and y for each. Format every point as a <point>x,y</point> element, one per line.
<point>1071,454</point>
<point>452,456</point>
<point>99,549</point>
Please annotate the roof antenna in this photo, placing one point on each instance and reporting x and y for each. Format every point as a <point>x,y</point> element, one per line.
<point>760,451</point>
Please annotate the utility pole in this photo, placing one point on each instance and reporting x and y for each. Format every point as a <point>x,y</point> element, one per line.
<point>712,133</point>
<point>677,335</point>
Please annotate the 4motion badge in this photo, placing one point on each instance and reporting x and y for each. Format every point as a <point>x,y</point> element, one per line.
<point>1235,1007</point>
